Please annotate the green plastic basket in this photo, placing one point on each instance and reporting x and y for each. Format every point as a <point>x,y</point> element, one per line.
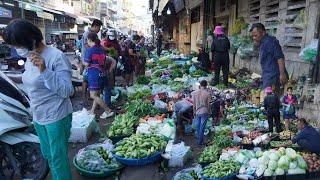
<point>104,173</point>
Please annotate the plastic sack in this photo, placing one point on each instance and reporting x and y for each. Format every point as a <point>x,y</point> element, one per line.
<point>179,154</point>
<point>167,130</point>
<point>186,173</point>
<point>160,105</point>
<point>90,159</point>
<point>309,53</point>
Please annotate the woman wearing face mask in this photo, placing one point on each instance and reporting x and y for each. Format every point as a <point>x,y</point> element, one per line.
<point>95,59</point>
<point>47,78</point>
<point>110,43</point>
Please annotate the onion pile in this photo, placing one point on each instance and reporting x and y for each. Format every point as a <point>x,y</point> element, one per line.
<point>312,160</point>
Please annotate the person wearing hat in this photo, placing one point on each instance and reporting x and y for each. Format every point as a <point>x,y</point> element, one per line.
<point>272,106</point>
<point>220,51</point>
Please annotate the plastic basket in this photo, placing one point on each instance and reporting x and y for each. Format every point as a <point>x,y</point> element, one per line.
<point>138,162</point>
<point>313,174</point>
<point>274,177</point>
<point>230,177</point>
<point>297,176</point>
<point>102,173</point>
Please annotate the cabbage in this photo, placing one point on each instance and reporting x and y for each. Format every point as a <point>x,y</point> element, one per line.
<point>259,171</point>
<point>291,153</point>
<point>274,157</point>
<point>279,172</point>
<point>266,153</point>
<point>262,166</point>
<point>293,165</point>
<point>253,163</point>
<point>283,162</point>
<point>272,165</point>
<point>259,153</point>
<point>240,158</point>
<point>268,172</point>
<point>263,160</point>
<point>296,171</point>
<point>282,151</point>
<point>301,163</point>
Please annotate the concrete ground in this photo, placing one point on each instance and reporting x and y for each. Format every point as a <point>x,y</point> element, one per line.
<point>128,173</point>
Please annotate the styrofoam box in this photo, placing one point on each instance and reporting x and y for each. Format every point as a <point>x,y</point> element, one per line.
<point>82,134</point>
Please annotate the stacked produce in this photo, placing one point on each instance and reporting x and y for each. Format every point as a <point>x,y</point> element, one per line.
<point>123,125</point>
<point>210,154</point>
<point>280,162</point>
<point>313,161</point>
<point>143,94</point>
<point>141,108</point>
<point>139,146</point>
<point>221,169</point>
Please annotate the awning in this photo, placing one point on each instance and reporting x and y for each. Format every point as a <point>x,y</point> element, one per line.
<point>82,20</point>
<point>6,13</point>
<point>71,15</point>
<point>45,15</point>
<point>52,10</point>
<point>162,4</point>
<point>63,32</point>
<point>30,7</point>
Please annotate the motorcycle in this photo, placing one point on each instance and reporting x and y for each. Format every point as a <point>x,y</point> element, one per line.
<point>20,155</point>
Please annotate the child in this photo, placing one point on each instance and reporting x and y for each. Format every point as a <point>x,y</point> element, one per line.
<point>272,106</point>
<point>289,112</point>
<point>95,62</point>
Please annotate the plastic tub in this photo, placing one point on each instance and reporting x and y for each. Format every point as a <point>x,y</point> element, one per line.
<point>138,162</point>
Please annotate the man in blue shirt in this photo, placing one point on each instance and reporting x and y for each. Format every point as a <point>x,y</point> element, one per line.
<point>271,58</point>
<point>307,138</point>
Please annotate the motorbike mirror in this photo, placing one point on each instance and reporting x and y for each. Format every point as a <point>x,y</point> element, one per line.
<point>20,62</point>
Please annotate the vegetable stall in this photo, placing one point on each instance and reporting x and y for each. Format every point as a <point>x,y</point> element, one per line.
<point>239,145</point>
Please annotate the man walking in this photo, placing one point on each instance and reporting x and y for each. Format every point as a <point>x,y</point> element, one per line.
<point>271,58</point>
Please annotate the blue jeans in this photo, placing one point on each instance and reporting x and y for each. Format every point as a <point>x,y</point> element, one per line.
<point>106,91</point>
<point>201,120</point>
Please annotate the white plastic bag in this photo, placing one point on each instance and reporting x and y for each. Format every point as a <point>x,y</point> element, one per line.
<point>160,105</point>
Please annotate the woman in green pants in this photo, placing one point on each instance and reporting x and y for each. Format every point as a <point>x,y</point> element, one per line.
<point>47,78</point>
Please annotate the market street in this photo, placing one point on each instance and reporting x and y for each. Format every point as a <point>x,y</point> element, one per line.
<point>160,90</point>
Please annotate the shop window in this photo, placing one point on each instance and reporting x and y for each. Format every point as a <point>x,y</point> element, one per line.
<point>195,15</point>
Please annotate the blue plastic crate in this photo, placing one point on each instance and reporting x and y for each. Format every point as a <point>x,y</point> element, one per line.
<point>138,162</point>
<point>230,177</point>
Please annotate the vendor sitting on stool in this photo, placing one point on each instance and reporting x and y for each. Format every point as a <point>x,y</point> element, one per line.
<point>184,112</point>
<point>307,137</point>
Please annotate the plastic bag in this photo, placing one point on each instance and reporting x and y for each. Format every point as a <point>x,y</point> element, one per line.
<point>309,53</point>
<point>90,159</point>
<point>186,173</point>
<point>160,105</point>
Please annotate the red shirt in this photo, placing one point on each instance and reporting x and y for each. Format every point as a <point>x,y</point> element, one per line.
<point>106,43</point>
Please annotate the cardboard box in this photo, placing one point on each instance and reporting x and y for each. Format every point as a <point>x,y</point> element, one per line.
<point>255,98</point>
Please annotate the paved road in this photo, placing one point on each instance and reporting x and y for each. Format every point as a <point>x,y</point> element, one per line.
<point>129,173</point>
